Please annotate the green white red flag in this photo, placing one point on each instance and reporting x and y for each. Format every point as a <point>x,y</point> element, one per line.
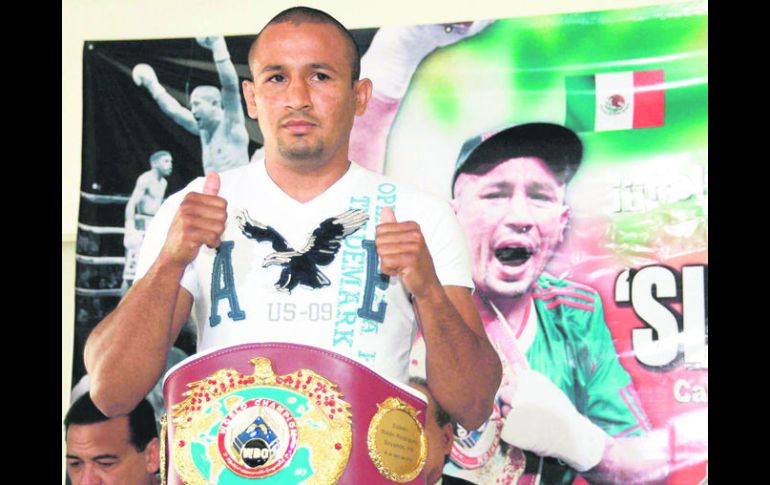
<point>615,101</point>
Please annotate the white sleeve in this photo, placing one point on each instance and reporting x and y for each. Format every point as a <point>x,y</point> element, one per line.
<point>155,237</point>
<point>446,242</point>
<point>417,359</point>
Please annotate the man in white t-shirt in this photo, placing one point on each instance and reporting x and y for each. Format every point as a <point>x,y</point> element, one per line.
<point>303,246</point>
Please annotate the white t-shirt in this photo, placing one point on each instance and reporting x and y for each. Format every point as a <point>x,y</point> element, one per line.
<point>350,308</point>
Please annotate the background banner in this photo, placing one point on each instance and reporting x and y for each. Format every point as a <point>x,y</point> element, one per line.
<point>632,83</point>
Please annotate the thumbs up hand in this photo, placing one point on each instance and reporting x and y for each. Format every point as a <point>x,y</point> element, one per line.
<point>199,220</point>
<point>211,184</point>
<point>403,253</point>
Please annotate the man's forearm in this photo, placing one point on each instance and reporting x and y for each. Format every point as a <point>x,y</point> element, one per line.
<point>462,369</point>
<point>171,108</point>
<point>130,208</point>
<point>231,100</point>
<point>126,353</point>
<point>228,76</point>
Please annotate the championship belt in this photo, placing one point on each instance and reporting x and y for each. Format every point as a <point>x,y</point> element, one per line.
<point>288,413</point>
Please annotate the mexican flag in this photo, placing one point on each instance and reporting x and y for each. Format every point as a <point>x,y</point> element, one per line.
<point>615,101</point>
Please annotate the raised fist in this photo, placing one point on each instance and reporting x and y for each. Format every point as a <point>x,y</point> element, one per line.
<point>200,220</point>
<point>396,51</point>
<point>446,34</point>
<point>403,253</point>
<point>209,41</point>
<point>144,75</point>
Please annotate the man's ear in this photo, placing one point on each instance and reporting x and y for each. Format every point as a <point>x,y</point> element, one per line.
<point>249,95</point>
<point>152,456</point>
<point>363,91</point>
<point>447,438</point>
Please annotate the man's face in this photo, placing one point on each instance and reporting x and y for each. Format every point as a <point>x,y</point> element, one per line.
<point>302,93</point>
<point>205,107</point>
<point>101,453</point>
<point>163,165</point>
<point>514,217</point>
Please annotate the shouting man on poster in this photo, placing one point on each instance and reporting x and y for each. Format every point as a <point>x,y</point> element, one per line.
<point>565,399</point>
<point>373,261</point>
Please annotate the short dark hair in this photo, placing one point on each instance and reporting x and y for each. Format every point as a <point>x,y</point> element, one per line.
<point>157,155</point>
<point>298,15</point>
<point>141,421</point>
<point>442,417</point>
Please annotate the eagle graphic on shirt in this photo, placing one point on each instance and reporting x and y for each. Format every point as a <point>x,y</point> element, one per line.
<point>301,267</point>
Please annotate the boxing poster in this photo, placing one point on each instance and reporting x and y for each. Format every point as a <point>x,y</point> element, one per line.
<point>632,84</point>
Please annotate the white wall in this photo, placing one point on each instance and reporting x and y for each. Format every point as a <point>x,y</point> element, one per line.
<point>143,19</point>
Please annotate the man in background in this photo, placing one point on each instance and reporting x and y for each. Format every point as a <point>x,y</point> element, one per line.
<point>121,450</point>
<point>565,399</point>
<point>439,431</point>
<point>142,205</point>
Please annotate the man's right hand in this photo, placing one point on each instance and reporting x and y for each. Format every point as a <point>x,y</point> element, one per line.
<point>144,75</point>
<point>199,220</point>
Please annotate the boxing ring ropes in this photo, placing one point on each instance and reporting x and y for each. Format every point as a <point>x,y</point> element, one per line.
<point>101,260</point>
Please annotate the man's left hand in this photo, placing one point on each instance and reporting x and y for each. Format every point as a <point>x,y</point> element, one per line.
<point>403,253</point>
<point>217,45</point>
<point>543,420</point>
<point>209,41</point>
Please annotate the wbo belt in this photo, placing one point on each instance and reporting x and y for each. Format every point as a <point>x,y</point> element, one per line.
<point>288,413</point>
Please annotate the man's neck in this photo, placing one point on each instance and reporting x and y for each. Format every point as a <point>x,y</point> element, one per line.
<point>208,128</point>
<point>513,310</point>
<point>305,181</point>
